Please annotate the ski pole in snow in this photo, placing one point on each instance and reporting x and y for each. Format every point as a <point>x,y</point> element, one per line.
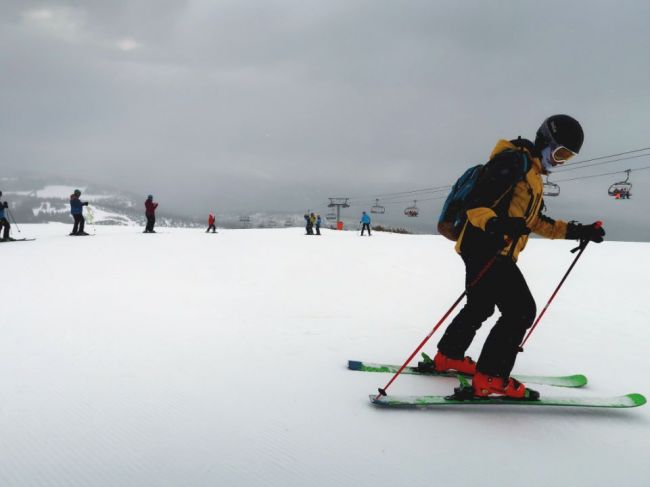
<point>12,217</point>
<point>479,276</point>
<point>581,247</point>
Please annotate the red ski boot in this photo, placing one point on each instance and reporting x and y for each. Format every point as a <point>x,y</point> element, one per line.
<point>484,385</point>
<point>442,363</point>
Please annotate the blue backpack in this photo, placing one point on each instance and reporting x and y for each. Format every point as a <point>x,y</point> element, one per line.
<point>453,215</point>
<point>454,211</point>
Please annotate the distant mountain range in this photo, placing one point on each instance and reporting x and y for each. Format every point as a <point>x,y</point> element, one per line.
<point>35,200</point>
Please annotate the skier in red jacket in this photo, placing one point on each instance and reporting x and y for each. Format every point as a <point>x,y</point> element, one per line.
<point>150,213</point>
<point>211,221</point>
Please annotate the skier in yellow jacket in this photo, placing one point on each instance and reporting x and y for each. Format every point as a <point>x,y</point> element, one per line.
<point>505,207</point>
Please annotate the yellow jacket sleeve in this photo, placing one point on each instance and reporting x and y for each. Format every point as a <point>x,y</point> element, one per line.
<point>546,227</point>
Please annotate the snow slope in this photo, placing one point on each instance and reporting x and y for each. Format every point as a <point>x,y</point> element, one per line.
<point>193,359</point>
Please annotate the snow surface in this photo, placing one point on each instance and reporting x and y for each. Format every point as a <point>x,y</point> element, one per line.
<point>193,359</point>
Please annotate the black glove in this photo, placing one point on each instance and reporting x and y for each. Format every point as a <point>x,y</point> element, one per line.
<point>85,203</point>
<point>513,226</point>
<point>5,205</point>
<point>591,233</point>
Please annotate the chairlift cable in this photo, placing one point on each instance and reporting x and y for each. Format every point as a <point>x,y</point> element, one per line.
<point>607,157</point>
<point>603,174</point>
<point>561,169</point>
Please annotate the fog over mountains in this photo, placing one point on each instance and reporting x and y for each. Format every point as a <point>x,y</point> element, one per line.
<point>41,200</point>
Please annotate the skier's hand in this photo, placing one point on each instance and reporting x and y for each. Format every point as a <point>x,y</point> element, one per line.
<point>5,204</point>
<point>592,233</point>
<point>513,226</point>
<point>85,203</point>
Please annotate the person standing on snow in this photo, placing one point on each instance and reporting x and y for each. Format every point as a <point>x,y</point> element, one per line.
<point>4,223</point>
<point>150,213</point>
<point>318,222</point>
<point>76,210</point>
<point>506,205</point>
<point>309,227</point>
<point>211,221</point>
<point>365,222</point>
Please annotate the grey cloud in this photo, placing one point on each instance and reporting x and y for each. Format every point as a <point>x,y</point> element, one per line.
<point>278,104</point>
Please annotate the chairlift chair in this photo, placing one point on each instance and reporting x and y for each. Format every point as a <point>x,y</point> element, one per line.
<point>550,188</point>
<point>331,216</point>
<point>244,219</point>
<point>412,211</point>
<point>622,189</point>
<point>378,209</point>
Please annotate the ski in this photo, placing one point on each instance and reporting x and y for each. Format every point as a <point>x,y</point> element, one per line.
<point>18,240</point>
<point>576,380</point>
<point>625,401</point>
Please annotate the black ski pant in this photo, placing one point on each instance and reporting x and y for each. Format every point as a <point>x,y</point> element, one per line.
<point>79,222</point>
<point>317,229</point>
<point>4,223</point>
<point>211,227</point>
<point>503,286</point>
<point>151,221</point>
<point>309,229</point>
<point>365,225</point>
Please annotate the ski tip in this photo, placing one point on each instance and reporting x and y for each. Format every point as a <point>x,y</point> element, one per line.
<point>580,379</point>
<point>377,399</point>
<point>355,365</point>
<point>637,399</point>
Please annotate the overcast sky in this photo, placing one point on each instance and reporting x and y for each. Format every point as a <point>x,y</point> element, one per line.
<point>242,105</point>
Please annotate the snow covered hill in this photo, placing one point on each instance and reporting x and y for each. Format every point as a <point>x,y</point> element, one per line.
<point>194,359</point>
<point>33,201</point>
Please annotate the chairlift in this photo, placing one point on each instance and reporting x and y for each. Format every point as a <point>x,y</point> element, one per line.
<point>551,189</point>
<point>621,190</point>
<point>378,209</point>
<point>331,216</point>
<point>412,211</point>
<point>244,219</point>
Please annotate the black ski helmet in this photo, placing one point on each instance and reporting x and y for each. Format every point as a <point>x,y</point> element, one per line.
<point>77,192</point>
<point>560,130</point>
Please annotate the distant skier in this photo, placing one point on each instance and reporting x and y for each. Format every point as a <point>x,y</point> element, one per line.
<point>506,205</point>
<point>4,222</point>
<point>309,226</point>
<point>150,213</point>
<point>318,222</point>
<point>211,221</point>
<point>365,223</point>
<point>76,210</point>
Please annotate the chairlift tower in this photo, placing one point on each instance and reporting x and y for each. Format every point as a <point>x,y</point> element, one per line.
<point>339,203</point>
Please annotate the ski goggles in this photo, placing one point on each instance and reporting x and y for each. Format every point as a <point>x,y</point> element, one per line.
<point>561,154</point>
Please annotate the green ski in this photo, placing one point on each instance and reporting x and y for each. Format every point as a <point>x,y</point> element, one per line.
<point>625,401</point>
<point>577,380</point>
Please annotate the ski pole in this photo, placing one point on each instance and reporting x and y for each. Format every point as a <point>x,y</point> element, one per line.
<point>12,217</point>
<point>581,247</point>
<point>479,276</point>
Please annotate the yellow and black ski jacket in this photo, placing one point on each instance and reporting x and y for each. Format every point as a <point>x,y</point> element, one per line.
<point>510,186</point>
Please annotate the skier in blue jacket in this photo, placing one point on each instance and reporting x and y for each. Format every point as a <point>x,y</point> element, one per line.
<point>4,223</point>
<point>365,222</point>
<point>76,210</point>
